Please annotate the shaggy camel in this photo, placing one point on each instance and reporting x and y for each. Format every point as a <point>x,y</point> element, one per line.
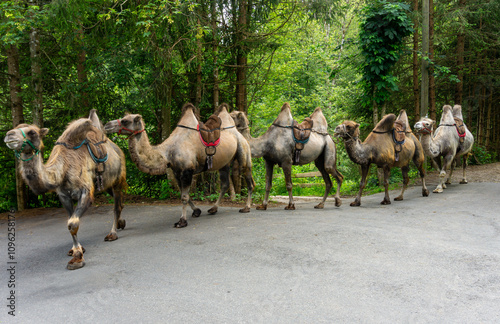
<point>74,171</point>
<point>277,146</point>
<point>379,148</point>
<point>186,155</point>
<point>445,142</point>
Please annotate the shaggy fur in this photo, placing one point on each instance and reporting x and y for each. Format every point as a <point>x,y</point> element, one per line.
<point>277,146</point>
<point>379,148</point>
<point>71,173</point>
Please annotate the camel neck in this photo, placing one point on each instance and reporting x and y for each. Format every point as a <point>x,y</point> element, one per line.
<point>147,158</point>
<point>356,151</point>
<point>39,177</point>
<point>428,144</point>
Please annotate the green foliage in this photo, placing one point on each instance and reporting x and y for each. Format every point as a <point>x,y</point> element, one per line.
<point>482,156</point>
<point>383,28</point>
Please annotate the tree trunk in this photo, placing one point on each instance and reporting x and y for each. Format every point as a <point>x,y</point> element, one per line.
<point>432,83</point>
<point>36,72</point>
<point>82,72</point>
<point>424,94</point>
<point>215,49</point>
<point>488,121</point>
<point>198,71</point>
<point>241,58</point>
<point>460,61</point>
<point>416,92</point>
<point>17,115</point>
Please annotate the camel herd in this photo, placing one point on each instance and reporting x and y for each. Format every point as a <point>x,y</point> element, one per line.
<point>84,160</point>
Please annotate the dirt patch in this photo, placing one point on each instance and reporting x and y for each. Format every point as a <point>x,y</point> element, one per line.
<point>475,173</point>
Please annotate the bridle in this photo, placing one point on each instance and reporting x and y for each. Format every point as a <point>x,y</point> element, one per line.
<point>123,128</point>
<point>350,137</point>
<point>26,141</point>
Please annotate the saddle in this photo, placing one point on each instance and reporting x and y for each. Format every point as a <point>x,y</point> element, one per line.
<point>210,136</point>
<point>399,137</point>
<point>460,126</point>
<point>301,133</point>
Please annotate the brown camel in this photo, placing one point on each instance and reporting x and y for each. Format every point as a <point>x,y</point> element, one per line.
<point>82,162</point>
<point>278,146</point>
<point>445,142</point>
<point>381,148</point>
<point>186,155</point>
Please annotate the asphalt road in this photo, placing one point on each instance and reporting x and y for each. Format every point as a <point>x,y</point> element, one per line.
<point>422,260</point>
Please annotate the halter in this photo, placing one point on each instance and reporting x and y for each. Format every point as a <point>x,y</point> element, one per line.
<point>123,128</point>
<point>351,138</point>
<point>26,141</point>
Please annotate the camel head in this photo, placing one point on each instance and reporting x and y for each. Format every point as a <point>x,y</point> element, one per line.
<point>424,126</point>
<point>131,124</point>
<point>240,119</point>
<point>347,130</point>
<point>25,139</point>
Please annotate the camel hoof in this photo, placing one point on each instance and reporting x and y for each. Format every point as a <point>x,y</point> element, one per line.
<point>290,207</point>
<point>212,210</point>
<point>385,202</point>
<point>121,224</point>
<point>320,206</point>
<point>437,190</point>
<point>464,181</point>
<point>77,262</point>
<point>355,204</point>
<point>111,237</point>
<point>181,223</point>
<point>245,210</point>
<point>196,213</point>
<point>398,198</point>
<point>448,182</point>
<point>70,252</point>
<point>425,192</point>
<point>338,202</point>
<point>444,185</point>
<point>261,207</point>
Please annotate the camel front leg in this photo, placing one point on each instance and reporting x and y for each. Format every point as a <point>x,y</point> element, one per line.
<point>118,222</point>
<point>362,184</point>
<point>447,161</point>
<point>224,184</point>
<point>452,168</point>
<point>287,170</point>
<point>387,200</point>
<point>269,185</point>
<point>184,179</point>
<point>464,165</point>
<point>406,179</point>
<point>73,225</point>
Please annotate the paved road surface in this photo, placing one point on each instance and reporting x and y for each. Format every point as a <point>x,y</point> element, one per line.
<point>423,260</point>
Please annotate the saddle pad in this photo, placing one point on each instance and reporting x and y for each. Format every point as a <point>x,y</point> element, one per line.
<point>210,130</point>
<point>399,131</point>
<point>459,124</point>
<point>302,131</point>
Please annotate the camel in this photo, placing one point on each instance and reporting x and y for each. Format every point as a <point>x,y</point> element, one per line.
<point>277,146</point>
<point>74,171</point>
<point>379,148</point>
<point>186,155</point>
<point>445,142</point>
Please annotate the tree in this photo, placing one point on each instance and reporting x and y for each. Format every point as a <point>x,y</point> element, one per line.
<point>383,29</point>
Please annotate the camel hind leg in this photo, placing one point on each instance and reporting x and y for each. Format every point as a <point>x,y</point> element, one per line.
<point>250,185</point>
<point>184,179</point>
<point>464,166</point>
<point>387,172</point>
<point>447,161</point>
<point>452,168</point>
<point>362,185</point>
<point>287,170</point>
<point>118,222</point>
<point>269,184</point>
<point>224,183</point>
<point>330,159</point>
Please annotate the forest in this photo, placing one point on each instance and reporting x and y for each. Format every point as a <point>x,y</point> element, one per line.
<point>355,59</point>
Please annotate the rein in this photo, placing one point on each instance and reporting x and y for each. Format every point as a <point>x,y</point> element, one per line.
<point>26,141</point>
<point>92,155</point>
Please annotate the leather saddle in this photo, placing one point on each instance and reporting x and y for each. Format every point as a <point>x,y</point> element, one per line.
<point>210,136</point>
<point>97,150</point>
<point>399,136</point>
<point>460,126</point>
<point>301,133</point>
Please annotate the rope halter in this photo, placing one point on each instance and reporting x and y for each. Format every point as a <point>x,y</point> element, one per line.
<point>26,141</point>
<point>123,128</point>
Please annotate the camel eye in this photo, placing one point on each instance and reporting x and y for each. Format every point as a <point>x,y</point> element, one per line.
<point>137,119</point>
<point>125,122</point>
<point>31,133</point>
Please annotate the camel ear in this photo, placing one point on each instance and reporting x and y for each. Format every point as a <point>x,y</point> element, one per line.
<point>356,125</point>
<point>43,132</point>
<point>137,119</point>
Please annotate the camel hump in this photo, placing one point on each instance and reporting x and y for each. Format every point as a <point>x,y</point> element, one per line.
<point>457,112</point>
<point>447,116</point>
<point>386,123</point>
<point>223,106</point>
<point>95,119</point>
<point>285,106</point>
<point>403,117</point>
<point>190,107</point>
